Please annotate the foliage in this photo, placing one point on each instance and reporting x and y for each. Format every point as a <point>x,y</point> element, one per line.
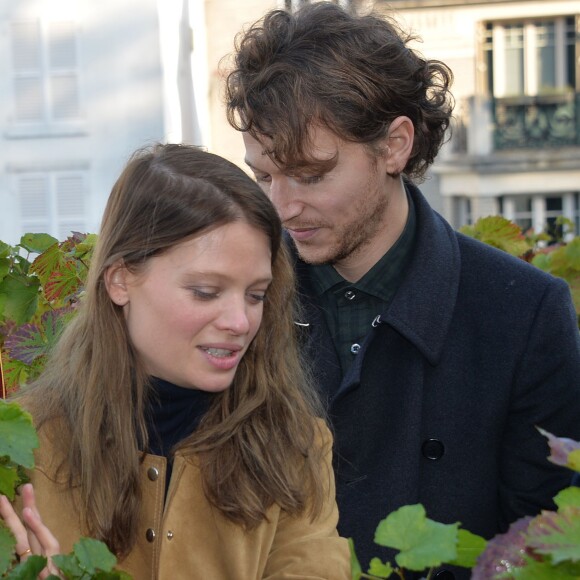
<point>90,559</point>
<point>41,281</point>
<point>560,258</point>
<point>423,544</point>
<point>545,547</point>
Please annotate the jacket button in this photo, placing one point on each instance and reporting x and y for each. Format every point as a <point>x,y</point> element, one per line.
<point>355,348</point>
<point>350,295</point>
<point>433,449</point>
<point>444,575</point>
<point>153,473</point>
<point>150,535</point>
<point>170,535</point>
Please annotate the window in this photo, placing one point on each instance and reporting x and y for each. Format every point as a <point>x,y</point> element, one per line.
<point>45,67</point>
<point>539,212</point>
<point>52,203</point>
<point>532,57</point>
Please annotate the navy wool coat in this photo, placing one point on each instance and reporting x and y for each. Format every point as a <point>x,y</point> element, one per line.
<point>440,406</point>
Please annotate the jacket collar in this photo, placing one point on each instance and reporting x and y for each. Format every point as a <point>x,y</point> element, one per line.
<point>423,305</point>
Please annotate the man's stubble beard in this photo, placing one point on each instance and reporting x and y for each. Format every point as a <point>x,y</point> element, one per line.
<point>354,236</point>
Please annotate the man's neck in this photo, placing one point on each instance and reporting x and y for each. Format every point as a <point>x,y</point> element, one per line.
<point>356,265</point>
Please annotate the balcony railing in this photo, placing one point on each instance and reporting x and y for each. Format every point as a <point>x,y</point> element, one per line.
<point>546,121</point>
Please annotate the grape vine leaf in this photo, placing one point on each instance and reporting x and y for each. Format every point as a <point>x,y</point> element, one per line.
<point>26,344</point>
<point>9,479</point>
<point>568,497</point>
<point>17,434</point>
<point>380,569</point>
<point>503,553</point>
<point>19,297</point>
<point>47,262</point>
<point>62,283</point>
<point>4,267</point>
<point>563,451</point>
<point>556,534</point>
<point>423,543</point>
<point>29,569</point>
<point>544,570</point>
<point>37,243</point>
<point>469,547</point>
<point>89,556</point>
<point>7,545</point>
<point>354,563</point>
<point>500,233</point>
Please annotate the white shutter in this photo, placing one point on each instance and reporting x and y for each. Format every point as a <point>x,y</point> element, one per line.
<point>33,193</point>
<point>63,71</point>
<point>27,67</point>
<point>70,203</point>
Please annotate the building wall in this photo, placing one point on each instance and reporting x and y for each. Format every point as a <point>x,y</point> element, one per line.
<point>121,108</point>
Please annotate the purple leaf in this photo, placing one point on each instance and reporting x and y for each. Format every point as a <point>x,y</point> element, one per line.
<point>503,552</point>
<point>560,447</point>
<point>26,344</point>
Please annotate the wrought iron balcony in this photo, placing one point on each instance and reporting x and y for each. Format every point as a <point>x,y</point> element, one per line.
<point>546,121</point>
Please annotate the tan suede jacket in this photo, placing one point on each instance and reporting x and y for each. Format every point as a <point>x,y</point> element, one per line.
<point>188,538</point>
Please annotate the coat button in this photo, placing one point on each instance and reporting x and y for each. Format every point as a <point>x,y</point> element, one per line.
<point>153,473</point>
<point>433,449</point>
<point>355,348</point>
<point>349,295</point>
<point>150,535</point>
<point>444,575</point>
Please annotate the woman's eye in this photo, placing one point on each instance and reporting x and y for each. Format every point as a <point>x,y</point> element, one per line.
<point>204,294</point>
<point>257,297</point>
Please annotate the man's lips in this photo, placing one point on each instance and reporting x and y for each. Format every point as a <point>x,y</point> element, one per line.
<point>302,234</point>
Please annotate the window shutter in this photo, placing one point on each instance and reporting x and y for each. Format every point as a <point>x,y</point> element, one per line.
<point>70,203</point>
<point>34,204</point>
<point>27,67</point>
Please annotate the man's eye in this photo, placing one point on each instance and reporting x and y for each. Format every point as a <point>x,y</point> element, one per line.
<point>265,178</point>
<point>310,179</point>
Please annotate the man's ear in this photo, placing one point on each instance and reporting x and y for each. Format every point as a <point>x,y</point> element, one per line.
<point>116,283</point>
<point>400,138</point>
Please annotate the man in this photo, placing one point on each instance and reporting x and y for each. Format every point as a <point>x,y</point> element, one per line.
<point>437,354</point>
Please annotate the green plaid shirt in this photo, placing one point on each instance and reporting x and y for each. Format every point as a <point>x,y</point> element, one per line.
<point>350,308</point>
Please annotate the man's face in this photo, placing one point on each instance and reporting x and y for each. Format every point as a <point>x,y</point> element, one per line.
<point>336,217</point>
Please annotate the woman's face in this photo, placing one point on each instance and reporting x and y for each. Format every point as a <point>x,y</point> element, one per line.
<point>194,310</point>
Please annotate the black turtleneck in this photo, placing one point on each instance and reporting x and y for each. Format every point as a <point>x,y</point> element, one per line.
<point>174,414</point>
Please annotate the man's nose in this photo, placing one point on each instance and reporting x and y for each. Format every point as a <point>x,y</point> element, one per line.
<point>284,196</point>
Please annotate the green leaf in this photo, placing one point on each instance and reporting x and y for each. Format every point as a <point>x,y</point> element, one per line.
<point>4,267</point>
<point>29,569</point>
<point>469,547</point>
<point>69,565</point>
<point>9,478</point>
<point>422,542</point>
<point>7,546</point>
<point>500,233</point>
<point>568,497</point>
<point>85,248</point>
<point>15,373</point>
<point>354,563</point>
<point>93,555</point>
<point>37,243</point>
<point>556,534</point>
<point>5,250</point>
<point>62,283</point>
<point>17,434</point>
<point>544,570</point>
<point>20,297</point>
<point>380,569</point>
<point>48,262</point>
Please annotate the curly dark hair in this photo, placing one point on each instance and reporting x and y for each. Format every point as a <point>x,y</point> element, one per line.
<point>352,73</point>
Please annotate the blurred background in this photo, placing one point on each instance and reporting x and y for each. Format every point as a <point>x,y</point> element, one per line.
<point>83,83</point>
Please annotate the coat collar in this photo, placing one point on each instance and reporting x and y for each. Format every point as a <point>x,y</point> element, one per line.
<point>423,305</point>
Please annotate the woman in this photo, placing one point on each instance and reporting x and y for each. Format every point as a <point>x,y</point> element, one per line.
<point>176,422</point>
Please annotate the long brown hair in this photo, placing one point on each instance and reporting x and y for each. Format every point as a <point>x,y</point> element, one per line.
<point>257,442</point>
<point>351,73</point>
